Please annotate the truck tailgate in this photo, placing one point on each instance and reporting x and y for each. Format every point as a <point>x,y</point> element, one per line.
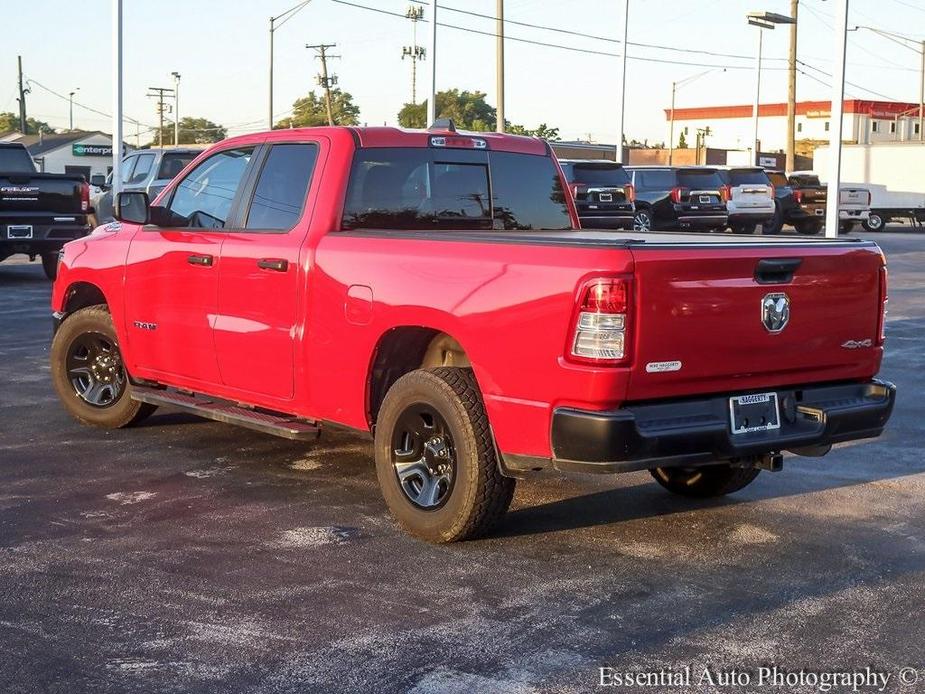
<point>40,193</point>
<point>700,326</point>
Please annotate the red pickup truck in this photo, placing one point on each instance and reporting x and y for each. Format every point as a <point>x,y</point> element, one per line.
<point>433,287</point>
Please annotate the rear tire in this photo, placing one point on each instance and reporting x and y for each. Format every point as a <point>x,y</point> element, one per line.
<point>435,457</point>
<point>874,222</point>
<point>50,265</point>
<point>776,223</point>
<point>88,374</point>
<point>643,220</point>
<point>706,481</point>
<point>808,228</point>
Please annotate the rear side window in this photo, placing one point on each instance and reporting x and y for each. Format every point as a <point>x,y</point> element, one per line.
<point>282,187</point>
<point>598,175</point>
<point>172,164</point>
<point>656,180</point>
<point>804,180</point>
<point>425,188</point>
<point>740,177</point>
<point>700,180</point>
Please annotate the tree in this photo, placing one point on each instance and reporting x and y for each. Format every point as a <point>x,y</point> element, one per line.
<point>193,131</point>
<point>682,141</point>
<point>542,131</point>
<point>469,111</point>
<point>311,110</point>
<point>10,122</point>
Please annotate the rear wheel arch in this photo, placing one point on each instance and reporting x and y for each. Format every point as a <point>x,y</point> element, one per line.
<point>403,349</point>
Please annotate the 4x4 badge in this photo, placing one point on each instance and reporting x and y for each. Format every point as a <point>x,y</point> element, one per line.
<point>775,312</point>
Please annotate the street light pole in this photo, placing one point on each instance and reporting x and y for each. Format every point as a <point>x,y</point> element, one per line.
<point>835,133</point>
<point>70,99</point>
<point>674,88</point>
<point>176,108</point>
<point>922,98</point>
<point>792,88</point>
<point>626,17</point>
<point>757,102</point>
<point>432,101</point>
<point>116,99</point>
<point>499,26</point>
<point>285,16</point>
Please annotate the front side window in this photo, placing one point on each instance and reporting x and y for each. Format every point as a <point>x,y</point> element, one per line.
<point>282,187</point>
<point>203,199</point>
<point>143,166</point>
<point>429,188</point>
<point>126,172</point>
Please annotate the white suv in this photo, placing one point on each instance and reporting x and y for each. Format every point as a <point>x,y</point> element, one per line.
<point>750,197</point>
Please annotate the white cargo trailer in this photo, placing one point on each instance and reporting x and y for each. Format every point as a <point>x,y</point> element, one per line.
<point>893,172</point>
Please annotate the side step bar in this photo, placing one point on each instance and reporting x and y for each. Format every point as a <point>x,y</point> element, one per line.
<point>282,425</point>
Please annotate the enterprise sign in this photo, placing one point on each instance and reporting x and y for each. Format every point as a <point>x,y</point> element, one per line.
<point>79,150</point>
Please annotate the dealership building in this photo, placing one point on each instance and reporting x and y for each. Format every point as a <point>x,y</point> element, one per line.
<point>732,127</point>
<point>78,152</point>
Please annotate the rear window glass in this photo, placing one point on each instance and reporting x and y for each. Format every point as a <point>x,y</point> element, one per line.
<point>172,164</point>
<point>740,177</point>
<point>808,180</point>
<point>664,179</point>
<point>16,160</point>
<point>596,174</point>
<point>700,180</point>
<point>778,179</point>
<point>429,188</point>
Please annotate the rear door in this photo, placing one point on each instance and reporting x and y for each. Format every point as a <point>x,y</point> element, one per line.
<point>700,324</point>
<point>262,277</point>
<point>171,274</point>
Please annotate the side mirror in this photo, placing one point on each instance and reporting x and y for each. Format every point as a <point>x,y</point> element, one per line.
<point>98,180</point>
<point>132,207</point>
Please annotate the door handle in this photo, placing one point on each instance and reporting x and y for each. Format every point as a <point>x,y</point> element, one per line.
<point>194,259</point>
<point>776,270</point>
<point>278,264</point>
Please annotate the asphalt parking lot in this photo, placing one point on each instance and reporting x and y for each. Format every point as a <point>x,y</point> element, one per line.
<point>189,556</point>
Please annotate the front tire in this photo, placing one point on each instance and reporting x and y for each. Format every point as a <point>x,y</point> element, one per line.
<point>435,457</point>
<point>706,481</point>
<point>88,374</point>
<point>874,222</point>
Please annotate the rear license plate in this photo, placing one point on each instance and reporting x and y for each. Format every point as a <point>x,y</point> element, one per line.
<point>606,197</point>
<point>820,212</point>
<point>19,231</point>
<point>757,412</point>
<point>705,199</point>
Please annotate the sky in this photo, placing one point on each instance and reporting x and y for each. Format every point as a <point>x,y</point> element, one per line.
<point>220,47</point>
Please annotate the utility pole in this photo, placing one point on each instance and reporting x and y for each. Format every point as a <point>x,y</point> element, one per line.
<point>322,54</point>
<point>116,99</point>
<point>70,110</point>
<point>626,19</point>
<point>499,66</point>
<point>160,93</point>
<point>833,192</point>
<point>922,98</point>
<point>176,108</point>
<point>414,51</point>
<point>792,88</point>
<point>23,125</point>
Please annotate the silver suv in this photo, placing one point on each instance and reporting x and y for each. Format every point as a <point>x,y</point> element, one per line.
<point>148,171</point>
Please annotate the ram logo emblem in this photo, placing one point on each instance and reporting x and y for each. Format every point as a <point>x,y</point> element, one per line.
<point>775,312</point>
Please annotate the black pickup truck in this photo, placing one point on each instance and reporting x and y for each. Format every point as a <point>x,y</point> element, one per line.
<point>39,212</point>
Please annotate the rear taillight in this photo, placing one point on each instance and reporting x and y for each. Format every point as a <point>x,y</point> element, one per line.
<point>725,193</point>
<point>578,190</point>
<point>773,191</point>
<point>677,194</point>
<point>798,196</point>
<point>884,300</point>
<point>601,322</point>
<point>629,190</point>
<point>84,197</point>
